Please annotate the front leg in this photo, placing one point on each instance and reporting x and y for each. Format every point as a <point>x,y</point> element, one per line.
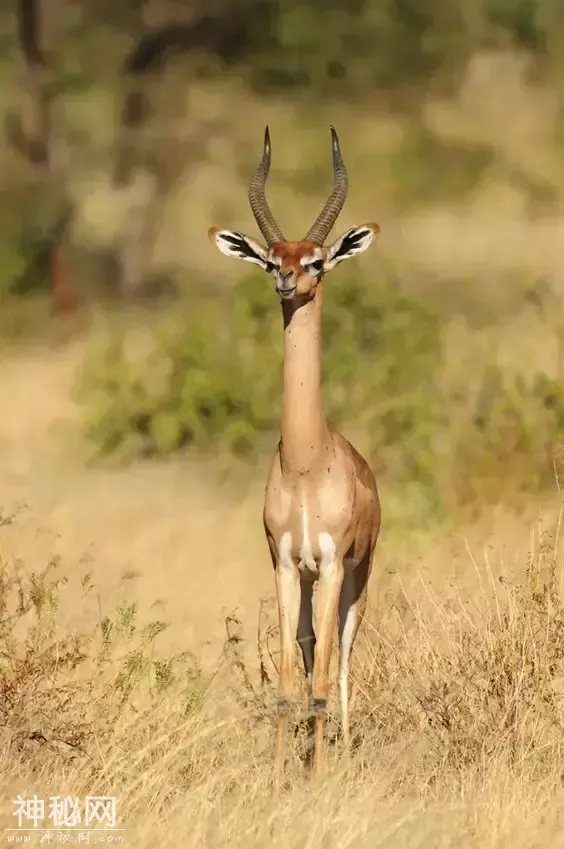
<point>329,589</point>
<point>352,605</point>
<point>288,593</point>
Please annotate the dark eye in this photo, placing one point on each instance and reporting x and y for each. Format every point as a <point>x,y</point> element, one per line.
<point>315,266</point>
<point>271,267</point>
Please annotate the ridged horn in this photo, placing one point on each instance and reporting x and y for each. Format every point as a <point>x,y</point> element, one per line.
<point>328,215</point>
<point>257,198</point>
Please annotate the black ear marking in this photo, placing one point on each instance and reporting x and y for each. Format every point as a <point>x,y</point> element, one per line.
<point>234,239</point>
<point>351,241</point>
<point>241,246</point>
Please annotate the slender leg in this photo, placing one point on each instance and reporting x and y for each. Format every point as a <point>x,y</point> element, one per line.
<point>352,605</point>
<point>288,592</point>
<point>330,581</point>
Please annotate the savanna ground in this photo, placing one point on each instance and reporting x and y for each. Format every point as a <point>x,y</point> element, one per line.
<point>137,620</point>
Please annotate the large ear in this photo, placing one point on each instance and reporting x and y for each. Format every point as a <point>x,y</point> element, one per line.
<point>351,243</point>
<point>233,243</point>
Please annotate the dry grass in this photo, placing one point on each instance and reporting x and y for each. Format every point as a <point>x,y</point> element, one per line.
<point>458,710</point>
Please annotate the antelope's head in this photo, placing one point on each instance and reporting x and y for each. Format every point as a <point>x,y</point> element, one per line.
<point>297,267</point>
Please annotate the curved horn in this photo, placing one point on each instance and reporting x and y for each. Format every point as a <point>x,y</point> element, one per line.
<point>264,217</point>
<point>328,215</point>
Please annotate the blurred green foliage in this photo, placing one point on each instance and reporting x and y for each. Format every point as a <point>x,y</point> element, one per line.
<point>213,380</point>
<point>397,48</point>
<point>25,224</point>
<point>382,42</point>
<point>215,377</point>
<point>327,46</point>
<point>391,44</point>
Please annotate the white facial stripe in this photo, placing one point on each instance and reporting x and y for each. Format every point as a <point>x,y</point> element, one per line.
<point>307,260</point>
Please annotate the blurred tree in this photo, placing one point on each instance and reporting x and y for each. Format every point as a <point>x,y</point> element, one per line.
<point>170,28</point>
<point>30,132</point>
<point>36,130</point>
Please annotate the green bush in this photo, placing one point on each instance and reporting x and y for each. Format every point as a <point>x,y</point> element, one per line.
<point>26,234</point>
<point>213,380</point>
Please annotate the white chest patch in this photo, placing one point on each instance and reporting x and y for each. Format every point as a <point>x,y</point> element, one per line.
<point>285,549</point>
<point>328,551</point>
<point>306,553</point>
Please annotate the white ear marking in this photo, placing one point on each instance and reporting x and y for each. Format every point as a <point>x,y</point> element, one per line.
<point>355,241</point>
<point>235,244</point>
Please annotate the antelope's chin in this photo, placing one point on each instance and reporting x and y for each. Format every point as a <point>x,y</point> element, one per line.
<point>287,294</point>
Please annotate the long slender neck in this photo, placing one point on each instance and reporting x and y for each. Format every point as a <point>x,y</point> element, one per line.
<point>303,428</point>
